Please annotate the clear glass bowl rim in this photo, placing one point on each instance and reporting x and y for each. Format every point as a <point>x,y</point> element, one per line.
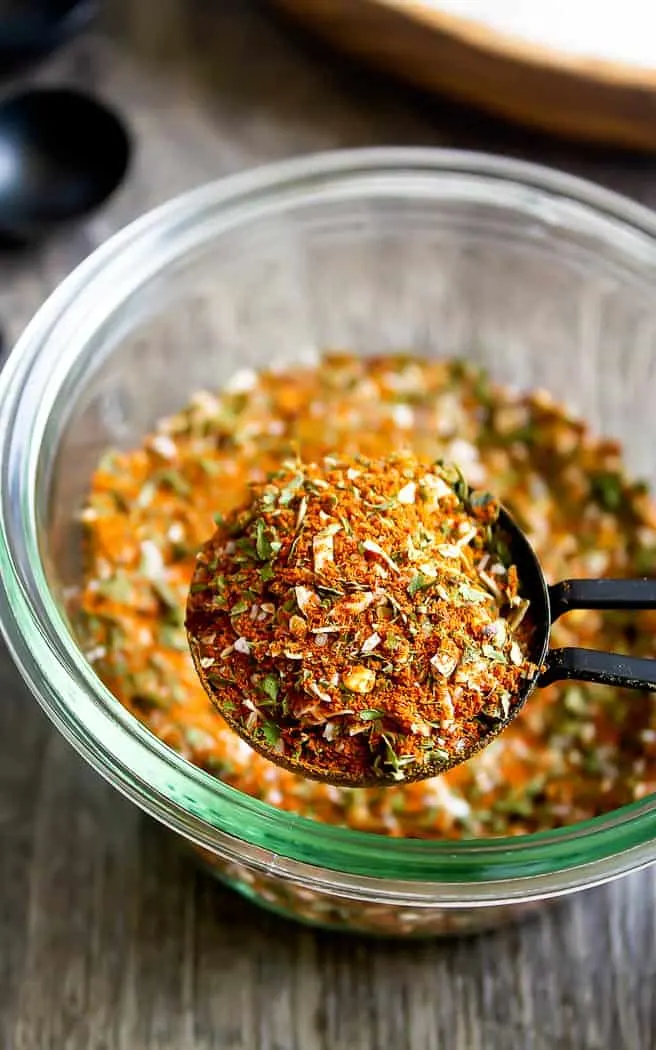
<point>416,873</point>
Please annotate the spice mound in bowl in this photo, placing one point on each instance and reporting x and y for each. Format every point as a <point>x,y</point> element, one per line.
<point>576,751</point>
<point>357,620</point>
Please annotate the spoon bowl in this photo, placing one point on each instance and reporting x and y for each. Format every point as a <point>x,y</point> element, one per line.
<point>358,621</point>
<point>546,604</point>
<point>62,154</point>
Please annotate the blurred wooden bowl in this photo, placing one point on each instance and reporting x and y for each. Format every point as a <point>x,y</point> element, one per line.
<point>586,99</point>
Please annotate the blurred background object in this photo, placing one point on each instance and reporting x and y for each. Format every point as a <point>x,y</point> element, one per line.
<point>62,152</point>
<point>585,70</point>
<point>31,29</point>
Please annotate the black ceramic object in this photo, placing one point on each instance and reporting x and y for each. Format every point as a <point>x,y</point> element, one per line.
<point>62,154</point>
<point>31,29</point>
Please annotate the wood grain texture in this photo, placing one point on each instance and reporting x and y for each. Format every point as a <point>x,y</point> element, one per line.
<point>597,101</point>
<point>110,939</point>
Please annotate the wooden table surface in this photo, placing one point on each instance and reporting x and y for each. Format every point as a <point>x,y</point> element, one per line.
<point>109,939</point>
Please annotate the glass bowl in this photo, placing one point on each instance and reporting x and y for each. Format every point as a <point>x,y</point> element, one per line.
<point>546,280</point>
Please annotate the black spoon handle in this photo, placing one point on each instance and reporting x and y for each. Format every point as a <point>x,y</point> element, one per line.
<point>589,665</point>
<point>601,594</point>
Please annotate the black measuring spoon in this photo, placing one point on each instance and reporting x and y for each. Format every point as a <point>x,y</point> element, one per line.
<point>62,154</point>
<point>427,747</point>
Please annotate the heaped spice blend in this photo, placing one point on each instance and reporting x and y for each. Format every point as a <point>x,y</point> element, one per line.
<point>575,750</point>
<point>355,618</point>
